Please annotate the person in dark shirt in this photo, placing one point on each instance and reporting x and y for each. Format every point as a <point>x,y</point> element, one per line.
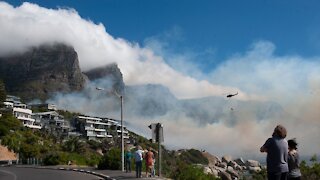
<point>128,160</point>
<point>293,161</point>
<point>276,148</point>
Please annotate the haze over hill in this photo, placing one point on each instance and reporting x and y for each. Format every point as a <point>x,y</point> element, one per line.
<point>192,105</point>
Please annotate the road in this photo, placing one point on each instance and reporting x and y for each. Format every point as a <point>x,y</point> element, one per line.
<point>15,173</point>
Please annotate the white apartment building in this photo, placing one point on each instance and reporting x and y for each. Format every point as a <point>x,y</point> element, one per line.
<point>53,122</point>
<point>21,112</point>
<point>93,128</point>
<point>116,126</point>
<point>24,115</point>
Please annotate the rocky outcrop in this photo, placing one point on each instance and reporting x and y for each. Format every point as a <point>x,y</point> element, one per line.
<point>112,76</point>
<point>212,159</point>
<point>253,165</point>
<point>42,71</point>
<point>228,168</point>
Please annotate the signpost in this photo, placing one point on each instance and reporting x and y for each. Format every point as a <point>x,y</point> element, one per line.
<point>157,136</point>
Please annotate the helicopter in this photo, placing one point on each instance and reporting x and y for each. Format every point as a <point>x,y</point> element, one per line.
<point>231,95</point>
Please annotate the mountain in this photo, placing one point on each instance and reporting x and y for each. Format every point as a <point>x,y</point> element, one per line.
<point>42,71</point>
<point>109,73</point>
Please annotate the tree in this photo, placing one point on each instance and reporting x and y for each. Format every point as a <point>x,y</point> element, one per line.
<point>74,144</point>
<point>314,159</point>
<point>7,123</point>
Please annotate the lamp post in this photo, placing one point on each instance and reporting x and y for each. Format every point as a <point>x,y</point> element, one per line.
<point>122,143</point>
<point>121,119</point>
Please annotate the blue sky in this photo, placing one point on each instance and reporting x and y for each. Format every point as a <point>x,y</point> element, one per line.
<point>214,29</point>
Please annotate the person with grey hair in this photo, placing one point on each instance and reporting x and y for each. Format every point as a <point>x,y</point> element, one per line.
<point>293,160</point>
<point>276,148</point>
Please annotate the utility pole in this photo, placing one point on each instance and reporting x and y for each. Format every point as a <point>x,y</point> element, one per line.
<point>121,119</point>
<point>122,143</point>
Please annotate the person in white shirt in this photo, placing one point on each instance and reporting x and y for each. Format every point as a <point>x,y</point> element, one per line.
<point>138,159</point>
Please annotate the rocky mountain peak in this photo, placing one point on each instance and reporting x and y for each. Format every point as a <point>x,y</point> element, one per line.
<point>42,71</point>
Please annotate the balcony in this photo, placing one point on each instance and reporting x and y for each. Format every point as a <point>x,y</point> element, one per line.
<point>124,131</point>
<point>26,119</point>
<point>91,134</point>
<point>88,128</point>
<point>101,135</point>
<point>124,136</point>
<point>33,126</point>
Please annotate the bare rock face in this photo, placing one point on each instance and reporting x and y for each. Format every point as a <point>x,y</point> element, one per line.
<point>42,71</point>
<point>252,163</point>
<point>212,159</point>
<point>111,73</point>
<point>224,175</point>
<point>240,161</point>
<point>226,158</point>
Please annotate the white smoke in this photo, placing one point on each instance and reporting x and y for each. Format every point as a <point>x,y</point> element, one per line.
<point>291,81</point>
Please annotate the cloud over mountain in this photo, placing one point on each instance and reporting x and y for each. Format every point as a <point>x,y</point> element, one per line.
<point>31,25</point>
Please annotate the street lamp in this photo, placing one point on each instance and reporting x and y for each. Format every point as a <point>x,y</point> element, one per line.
<point>121,109</point>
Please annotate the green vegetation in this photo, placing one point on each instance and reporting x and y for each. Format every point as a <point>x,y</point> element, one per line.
<point>61,157</point>
<point>38,144</point>
<point>3,93</point>
<point>261,175</point>
<point>111,160</point>
<point>183,165</point>
<point>39,109</point>
<point>190,172</point>
<point>193,156</point>
<point>7,123</point>
<point>67,114</point>
<point>311,172</point>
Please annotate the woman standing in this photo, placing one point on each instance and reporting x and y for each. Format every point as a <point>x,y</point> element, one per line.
<point>149,162</point>
<point>276,148</point>
<point>293,161</point>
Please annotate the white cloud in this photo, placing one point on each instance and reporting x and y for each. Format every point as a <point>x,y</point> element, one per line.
<point>32,25</point>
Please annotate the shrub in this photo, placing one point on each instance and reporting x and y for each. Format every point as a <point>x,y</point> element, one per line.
<point>310,172</point>
<point>51,159</point>
<point>111,160</point>
<point>193,156</point>
<point>191,172</point>
<point>261,175</point>
<point>7,123</point>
